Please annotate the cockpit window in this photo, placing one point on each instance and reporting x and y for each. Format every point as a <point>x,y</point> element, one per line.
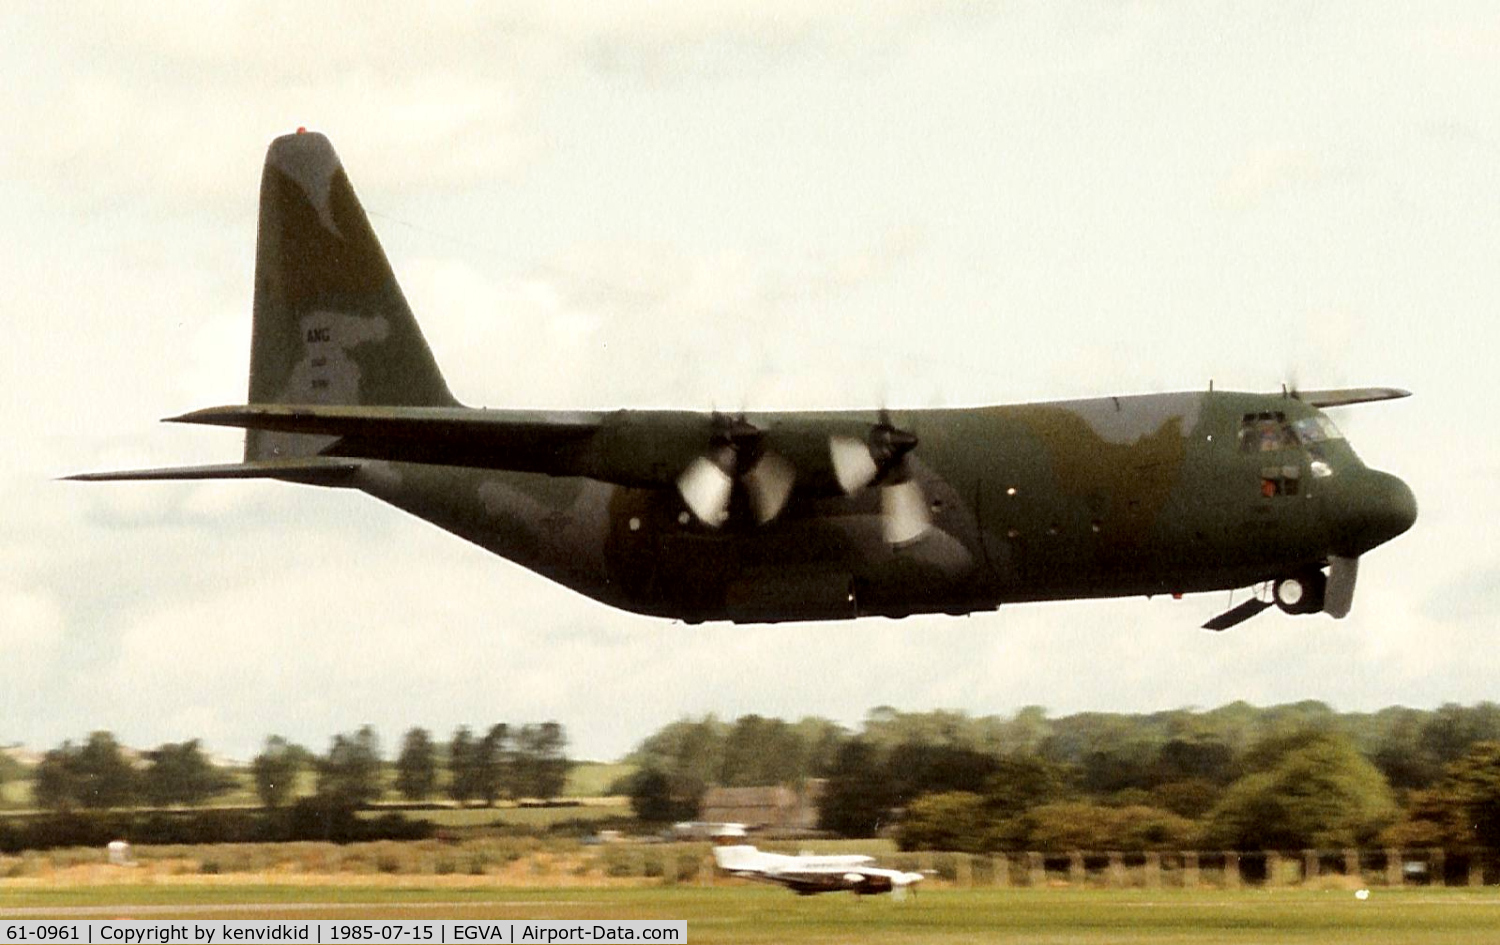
<point>1265,433</point>
<point>1316,429</point>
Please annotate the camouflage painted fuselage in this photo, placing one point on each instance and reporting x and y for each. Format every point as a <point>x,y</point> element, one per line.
<point>958,510</point>
<point>1112,497</point>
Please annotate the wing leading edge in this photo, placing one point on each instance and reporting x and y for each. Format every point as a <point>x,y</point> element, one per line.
<point>1344,396</point>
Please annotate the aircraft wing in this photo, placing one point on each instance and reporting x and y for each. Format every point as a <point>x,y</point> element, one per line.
<point>636,448</point>
<point>1343,397</point>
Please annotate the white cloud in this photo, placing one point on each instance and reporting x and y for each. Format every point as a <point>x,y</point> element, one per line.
<point>619,318</point>
<point>1270,171</point>
<point>30,626</point>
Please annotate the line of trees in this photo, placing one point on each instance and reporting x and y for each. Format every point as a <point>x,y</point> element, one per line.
<point>1291,776</point>
<point>527,761</point>
<point>98,775</point>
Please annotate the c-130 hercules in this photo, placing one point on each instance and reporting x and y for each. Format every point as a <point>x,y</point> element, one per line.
<point>786,516</point>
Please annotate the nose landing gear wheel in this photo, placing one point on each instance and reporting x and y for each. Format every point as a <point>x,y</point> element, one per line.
<point>1301,593</point>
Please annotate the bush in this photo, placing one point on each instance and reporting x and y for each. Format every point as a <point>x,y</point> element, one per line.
<point>621,861</point>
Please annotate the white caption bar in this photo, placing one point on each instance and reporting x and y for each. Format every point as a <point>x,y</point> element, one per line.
<point>355,932</point>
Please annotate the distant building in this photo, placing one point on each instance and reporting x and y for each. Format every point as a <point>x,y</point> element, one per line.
<point>764,808</point>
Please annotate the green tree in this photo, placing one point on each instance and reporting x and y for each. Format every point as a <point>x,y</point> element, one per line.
<point>857,799</point>
<point>181,774</point>
<point>1021,782</point>
<point>1401,752</point>
<point>652,799</point>
<point>1193,759</point>
<point>1081,825</point>
<point>494,766</point>
<point>416,766</point>
<point>106,777</point>
<point>690,752</point>
<point>1191,798</point>
<point>275,770</point>
<point>349,775</point>
<point>55,784</point>
<point>463,764</point>
<point>759,751</point>
<point>541,760</point>
<point>1320,793</point>
<point>959,821</point>
<point>93,775</point>
<point>1462,810</point>
<point>915,768</point>
<point>821,739</point>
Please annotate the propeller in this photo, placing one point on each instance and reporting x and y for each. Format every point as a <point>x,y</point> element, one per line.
<point>882,459</point>
<point>736,455</point>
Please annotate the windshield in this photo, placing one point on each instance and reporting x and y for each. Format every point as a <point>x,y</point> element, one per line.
<point>1265,433</point>
<point>1316,429</point>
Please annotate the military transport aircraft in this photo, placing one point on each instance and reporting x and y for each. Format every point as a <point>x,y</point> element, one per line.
<point>786,516</point>
<point>808,874</point>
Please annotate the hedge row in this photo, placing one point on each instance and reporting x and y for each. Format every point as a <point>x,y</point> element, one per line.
<point>308,819</point>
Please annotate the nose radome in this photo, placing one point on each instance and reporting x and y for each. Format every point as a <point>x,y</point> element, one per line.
<point>1398,508</point>
<point>1381,507</point>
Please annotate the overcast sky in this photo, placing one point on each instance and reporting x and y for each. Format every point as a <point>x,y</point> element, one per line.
<point>758,204</point>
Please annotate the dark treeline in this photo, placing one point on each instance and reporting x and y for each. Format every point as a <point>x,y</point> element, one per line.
<point>97,774</point>
<point>1290,776</point>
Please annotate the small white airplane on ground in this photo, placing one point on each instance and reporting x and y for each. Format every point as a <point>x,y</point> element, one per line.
<point>807,874</point>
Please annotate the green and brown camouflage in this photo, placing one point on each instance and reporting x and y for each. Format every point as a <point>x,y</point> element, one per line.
<point>764,517</point>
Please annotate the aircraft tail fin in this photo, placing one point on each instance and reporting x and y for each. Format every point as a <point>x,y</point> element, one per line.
<point>738,857</point>
<point>331,325</point>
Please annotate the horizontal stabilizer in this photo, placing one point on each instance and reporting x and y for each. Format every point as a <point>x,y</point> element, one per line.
<point>1343,397</point>
<point>1237,615</point>
<point>516,440</point>
<point>314,471</point>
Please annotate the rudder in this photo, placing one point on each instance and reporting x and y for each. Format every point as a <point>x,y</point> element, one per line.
<point>331,325</point>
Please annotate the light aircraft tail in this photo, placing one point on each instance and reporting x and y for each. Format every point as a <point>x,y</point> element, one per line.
<point>331,326</point>
<point>739,857</point>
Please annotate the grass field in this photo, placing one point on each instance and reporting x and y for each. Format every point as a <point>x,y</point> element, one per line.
<point>754,914</point>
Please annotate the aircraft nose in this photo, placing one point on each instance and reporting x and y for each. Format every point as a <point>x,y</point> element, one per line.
<point>1377,508</point>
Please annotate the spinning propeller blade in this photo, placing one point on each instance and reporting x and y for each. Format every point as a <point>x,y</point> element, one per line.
<point>736,456</point>
<point>769,483</point>
<point>706,489</point>
<point>882,460</point>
